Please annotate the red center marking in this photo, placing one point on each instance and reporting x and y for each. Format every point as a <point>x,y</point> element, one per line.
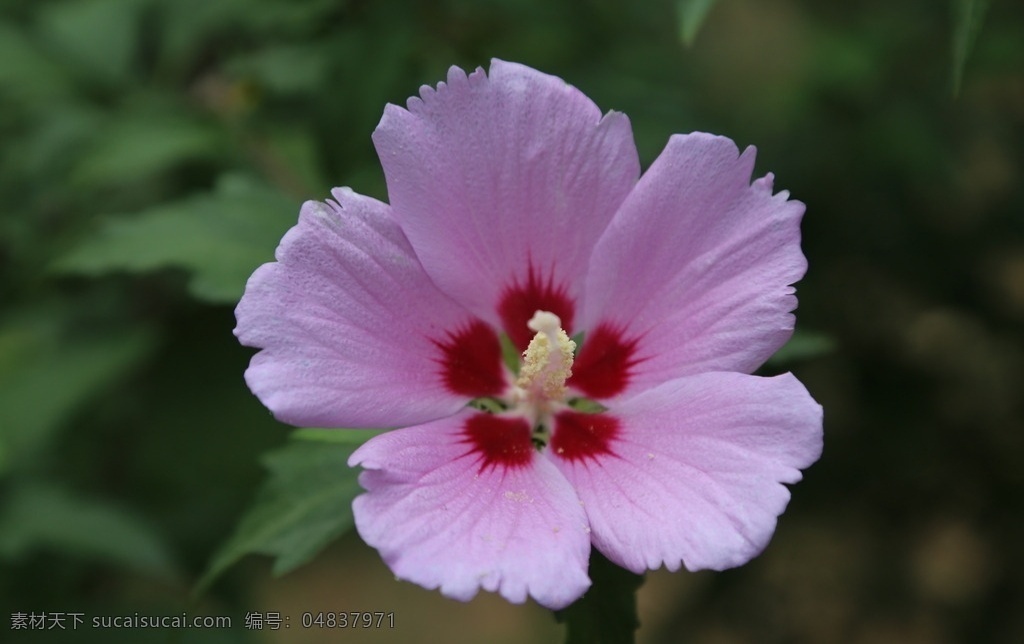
<point>471,365</point>
<point>499,441</point>
<point>578,437</point>
<point>604,364</point>
<point>520,301</point>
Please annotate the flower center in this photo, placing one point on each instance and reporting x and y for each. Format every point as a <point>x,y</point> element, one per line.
<point>539,401</point>
<point>547,361</point>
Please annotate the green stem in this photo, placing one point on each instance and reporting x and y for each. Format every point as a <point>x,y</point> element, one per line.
<point>606,614</point>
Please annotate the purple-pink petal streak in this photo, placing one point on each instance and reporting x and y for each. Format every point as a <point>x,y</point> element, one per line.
<point>698,264</point>
<point>494,175</point>
<point>349,324</point>
<point>443,517</point>
<point>695,474</point>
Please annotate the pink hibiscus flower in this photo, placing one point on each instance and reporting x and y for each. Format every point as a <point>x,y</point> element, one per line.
<point>517,209</point>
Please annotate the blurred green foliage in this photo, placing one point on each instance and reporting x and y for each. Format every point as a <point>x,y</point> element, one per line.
<point>304,505</point>
<point>152,153</point>
<point>968,18</point>
<point>691,16</point>
<point>217,237</point>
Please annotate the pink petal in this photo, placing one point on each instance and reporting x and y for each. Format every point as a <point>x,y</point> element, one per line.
<point>353,332</point>
<point>693,472</point>
<point>493,175</point>
<point>696,268</point>
<point>459,512</point>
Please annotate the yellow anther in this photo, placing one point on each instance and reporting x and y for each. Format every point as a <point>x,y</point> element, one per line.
<point>547,362</point>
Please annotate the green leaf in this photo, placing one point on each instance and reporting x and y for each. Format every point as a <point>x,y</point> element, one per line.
<point>140,142</point>
<point>189,26</point>
<point>607,613</point>
<point>64,130</point>
<point>803,345</point>
<point>26,74</point>
<point>967,18</point>
<point>343,436</point>
<point>99,37</point>
<point>291,158</point>
<point>304,505</point>
<point>691,15</point>
<point>285,69</point>
<point>220,237</point>
<point>44,517</point>
<point>45,377</point>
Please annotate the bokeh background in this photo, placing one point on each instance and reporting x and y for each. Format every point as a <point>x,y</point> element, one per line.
<point>152,152</point>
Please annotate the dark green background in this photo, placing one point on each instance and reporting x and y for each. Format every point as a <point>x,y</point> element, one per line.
<point>152,152</point>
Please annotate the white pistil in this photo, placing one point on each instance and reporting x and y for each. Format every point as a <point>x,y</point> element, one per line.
<point>547,362</point>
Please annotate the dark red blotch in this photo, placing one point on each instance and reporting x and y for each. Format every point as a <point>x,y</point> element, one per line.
<point>578,436</point>
<point>471,364</point>
<point>521,300</point>
<point>605,362</point>
<point>499,441</point>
